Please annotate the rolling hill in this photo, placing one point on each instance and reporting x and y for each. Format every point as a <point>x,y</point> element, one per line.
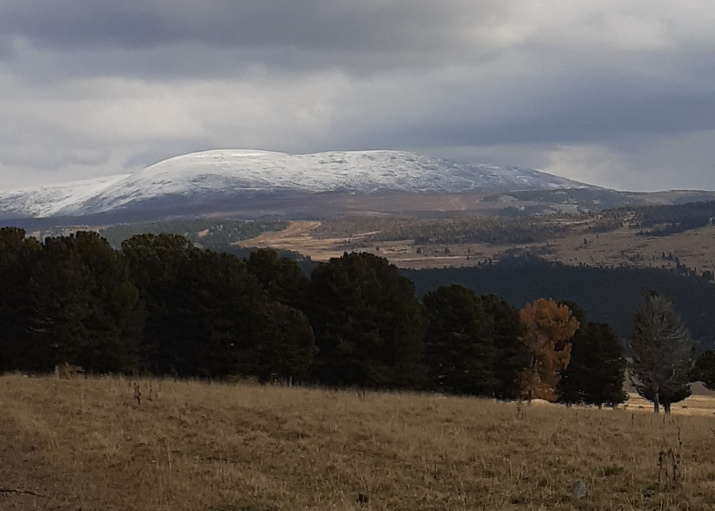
<point>269,182</point>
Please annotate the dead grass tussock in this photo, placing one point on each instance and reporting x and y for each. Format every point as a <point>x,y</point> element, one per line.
<point>195,446</point>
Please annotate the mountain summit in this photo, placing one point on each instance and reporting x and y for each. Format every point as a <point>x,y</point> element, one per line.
<point>234,176</point>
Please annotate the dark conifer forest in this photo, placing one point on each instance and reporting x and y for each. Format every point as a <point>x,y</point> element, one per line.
<point>162,306</point>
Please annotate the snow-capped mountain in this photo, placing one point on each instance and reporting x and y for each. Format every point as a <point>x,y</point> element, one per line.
<point>227,175</point>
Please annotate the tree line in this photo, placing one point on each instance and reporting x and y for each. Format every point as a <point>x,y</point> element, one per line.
<point>162,306</point>
<point>610,295</point>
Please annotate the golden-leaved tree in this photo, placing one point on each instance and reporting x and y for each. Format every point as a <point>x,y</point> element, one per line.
<point>548,329</point>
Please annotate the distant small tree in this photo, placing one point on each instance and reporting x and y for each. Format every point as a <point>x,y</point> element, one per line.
<point>705,369</point>
<point>549,328</point>
<point>662,352</point>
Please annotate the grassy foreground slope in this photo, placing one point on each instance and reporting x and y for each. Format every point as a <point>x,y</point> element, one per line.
<point>90,444</point>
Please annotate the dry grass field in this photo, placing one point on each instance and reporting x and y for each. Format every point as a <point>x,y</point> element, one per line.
<point>622,247</point>
<point>120,444</point>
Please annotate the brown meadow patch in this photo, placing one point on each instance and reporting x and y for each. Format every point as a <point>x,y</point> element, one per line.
<point>88,444</point>
<point>622,247</point>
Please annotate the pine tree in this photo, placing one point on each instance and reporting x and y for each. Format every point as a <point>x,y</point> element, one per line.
<point>286,344</point>
<point>367,323</point>
<point>80,307</point>
<point>571,386</point>
<point>281,278</point>
<point>705,369</point>
<point>116,317</point>
<point>156,263</point>
<point>459,343</point>
<point>608,366</point>
<point>596,372</point>
<point>662,352</point>
<point>16,251</point>
<point>512,357</point>
<point>221,310</point>
<point>61,304</point>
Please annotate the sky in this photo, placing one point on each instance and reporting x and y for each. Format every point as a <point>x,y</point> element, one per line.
<point>617,93</point>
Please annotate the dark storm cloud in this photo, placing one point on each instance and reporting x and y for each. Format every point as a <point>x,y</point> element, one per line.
<point>403,25</point>
<point>164,39</point>
<point>595,89</point>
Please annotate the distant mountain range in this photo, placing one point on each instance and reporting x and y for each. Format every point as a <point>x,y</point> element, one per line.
<point>251,184</point>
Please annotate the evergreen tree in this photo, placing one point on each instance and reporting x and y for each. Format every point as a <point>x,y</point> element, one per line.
<point>221,310</point>
<point>705,369</point>
<point>156,263</point>
<point>15,252</point>
<point>367,324</point>
<point>459,343</point>
<point>116,316</point>
<point>208,316</point>
<point>596,371</point>
<point>286,344</point>
<point>662,351</point>
<point>512,357</point>
<point>61,301</point>
<point>607,364</point>
<point>573,378</point>
<point>281,278</point>
<point>80,308</point>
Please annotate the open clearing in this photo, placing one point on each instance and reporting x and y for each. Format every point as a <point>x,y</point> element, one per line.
<point>103,444</point>
<point>621,247</point>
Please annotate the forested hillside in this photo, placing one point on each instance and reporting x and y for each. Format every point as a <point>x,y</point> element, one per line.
<point>610,295</point>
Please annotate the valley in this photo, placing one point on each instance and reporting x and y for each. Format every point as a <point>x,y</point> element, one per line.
<point>575,245</point>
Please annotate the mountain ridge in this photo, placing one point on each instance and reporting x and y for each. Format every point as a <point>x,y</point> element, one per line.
<point>228,174</point>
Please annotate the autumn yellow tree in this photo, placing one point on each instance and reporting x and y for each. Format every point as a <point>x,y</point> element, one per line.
<point>548,329</point>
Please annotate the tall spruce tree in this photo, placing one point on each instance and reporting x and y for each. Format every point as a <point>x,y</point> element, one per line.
<point>208,316</point>
<point>570,388</point>
<point>286,344</point>
<point>61,302</point>
<point>460,352</point>
<point>16,250</point>
<point>220,307</point>
<point>596,371</point>
<point>512,357</point>
<point>662,352</point>
<point>82,308</point>
<point>280,277</point>
<point>367,323</point>
<point>704,370</point>
<point>116,317</point>
<point>156,263</point>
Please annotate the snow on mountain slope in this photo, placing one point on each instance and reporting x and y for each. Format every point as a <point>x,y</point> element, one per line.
<point>205,175</point>
<point>46,201</point>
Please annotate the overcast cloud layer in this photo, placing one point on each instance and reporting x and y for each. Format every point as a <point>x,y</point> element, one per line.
<point>618,93</point>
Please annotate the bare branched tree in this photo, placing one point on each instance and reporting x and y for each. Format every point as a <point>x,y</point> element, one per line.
<point>662,352</point>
